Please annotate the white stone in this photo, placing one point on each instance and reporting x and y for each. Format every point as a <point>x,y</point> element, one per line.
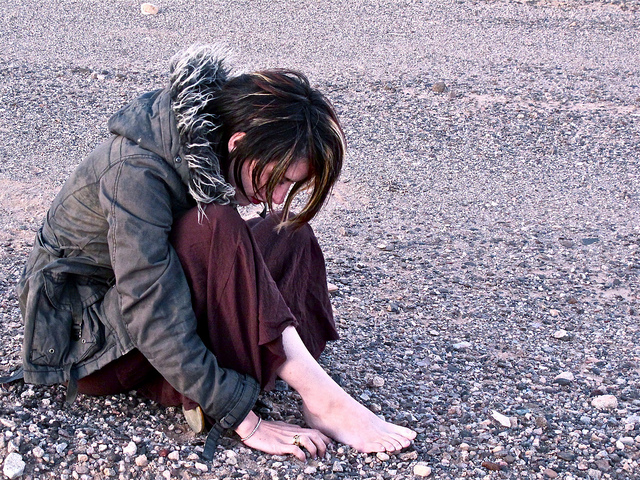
<point>562,335</point>
<point>13,466</point>
<point>131,449</point>
<point>337,467</point>
<point>149,9</point>
<point>175,455</point>
<point>627,440</point>
<point>383,457</point>
<point>461,345</point>
<point>564,377</point>
<point>421,470</point>
<point>332,287</point>
<point>202,467</point>
<point>501,419</point>
<point>603,402</point>
<point>310,470</point>
<point>142,461</point>
<point>37,452</point>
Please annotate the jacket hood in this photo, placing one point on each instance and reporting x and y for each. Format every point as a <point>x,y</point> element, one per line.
<point>172,122</point>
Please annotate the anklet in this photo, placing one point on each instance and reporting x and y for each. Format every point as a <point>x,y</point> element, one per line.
<point>255,429</point>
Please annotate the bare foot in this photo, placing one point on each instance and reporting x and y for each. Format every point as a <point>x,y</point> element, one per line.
<point>330,409</point>
<point>349,422</point>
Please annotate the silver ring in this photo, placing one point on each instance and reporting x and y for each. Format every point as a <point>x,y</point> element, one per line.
<point>296,441</point>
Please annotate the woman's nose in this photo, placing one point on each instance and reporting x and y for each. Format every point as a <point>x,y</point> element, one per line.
<point>279,194</point>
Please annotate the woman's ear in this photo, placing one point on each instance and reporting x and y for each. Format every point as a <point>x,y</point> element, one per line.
<point>235,138</point>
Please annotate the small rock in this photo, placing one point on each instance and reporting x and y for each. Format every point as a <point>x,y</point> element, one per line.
<point>13,466</point>
<point>567,456</point>
<point>603,465</point>
<point>461,346</point>
<point>550,473</point>
<point>408,456</point>
<point>337,467</point>
<point>491,466</point>
<point>175,456</point>
<point>590,241</point>
<point>564,378</point>
<point>149,9</point>
<point>383,457</point>
<point>310,470</point>
<point>562,335</point>
<point>377,382</point>
<point>37,452</point>
<point>131,449</point>
<point>627,440</point>
<point>595,474</point>
<point>501,419</point>
<point>82,469</point>
<point>421,470</point>
<point>142,461</point>
<point>603,402</point>
<point>202,467</point>
<point>439,87</point>
<point>332,287</point>
<point>83,457</point>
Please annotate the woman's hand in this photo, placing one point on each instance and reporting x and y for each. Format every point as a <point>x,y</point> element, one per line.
<point>279,438</point>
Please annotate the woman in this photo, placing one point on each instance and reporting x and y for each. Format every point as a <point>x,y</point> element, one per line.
<point>104,295</point>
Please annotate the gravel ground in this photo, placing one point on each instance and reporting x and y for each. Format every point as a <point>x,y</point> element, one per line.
<point>484,236</point>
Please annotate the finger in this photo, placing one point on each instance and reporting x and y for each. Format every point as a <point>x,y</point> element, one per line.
<point>296,452</point>
<point>309,444</point>
<point>320,445</point>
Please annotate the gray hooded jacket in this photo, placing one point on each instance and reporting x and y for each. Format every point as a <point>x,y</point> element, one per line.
<point>103,279</point>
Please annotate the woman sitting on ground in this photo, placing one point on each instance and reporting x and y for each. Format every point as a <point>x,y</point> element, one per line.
<point>145,277</point>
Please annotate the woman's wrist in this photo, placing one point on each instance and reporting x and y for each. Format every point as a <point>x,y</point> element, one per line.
<point>247,426</point>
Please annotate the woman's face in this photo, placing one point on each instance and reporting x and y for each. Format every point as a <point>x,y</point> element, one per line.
<point>297,172</point>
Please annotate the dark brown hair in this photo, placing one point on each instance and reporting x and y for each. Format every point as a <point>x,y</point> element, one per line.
<point>284,121</point>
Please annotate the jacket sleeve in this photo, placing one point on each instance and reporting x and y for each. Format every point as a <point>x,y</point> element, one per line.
<point>155,301</point>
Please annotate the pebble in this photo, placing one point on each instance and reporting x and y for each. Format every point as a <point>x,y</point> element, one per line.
<point>461,346</point>
<point>564,378</point>
<point>37,452</point>
<point>142,461</point>
<point>131,449</point>
<point>377,382</point>
<point>382,456</point>
<point>421,470</point>
<point>174,455</point>
<point>149,9</point>
<point>310,470</point>
<point>549,473</point>
<point>562,335</point>
<point>501,419</point>
<point>202,467</point>
<point>337,467</point>
<point>332,287</point>
<point>408,456</point>
<point>13,466</point>
<point>603,402</point>
<point>439,87</point>
<point>491,466</point>
<point>627,440</point>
